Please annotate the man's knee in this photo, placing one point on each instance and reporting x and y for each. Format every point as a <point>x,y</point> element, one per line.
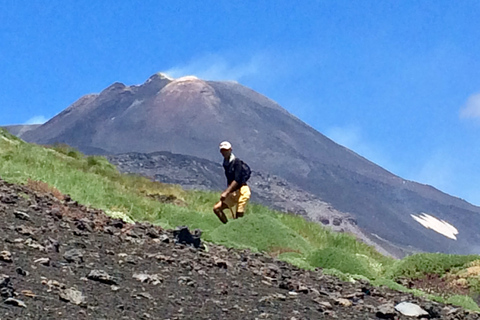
<point>221,215</point>
<point>217,206</point>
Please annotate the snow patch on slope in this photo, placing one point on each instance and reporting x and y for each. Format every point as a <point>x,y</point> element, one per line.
<point>437,225</point>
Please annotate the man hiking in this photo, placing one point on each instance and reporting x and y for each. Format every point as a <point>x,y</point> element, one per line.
<point>237,193</point>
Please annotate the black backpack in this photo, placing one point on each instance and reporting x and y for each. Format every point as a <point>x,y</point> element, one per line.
<point>246,172</point>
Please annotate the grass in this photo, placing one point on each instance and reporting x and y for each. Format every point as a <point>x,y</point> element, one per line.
<point>94,182</point>
<point>419,265</point>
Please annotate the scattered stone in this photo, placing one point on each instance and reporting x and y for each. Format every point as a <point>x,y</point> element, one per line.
<point>167,281</point>
<point>109,230</point>
<point>410,309</point>
<point>53,285</point>
<point>21,272</point>
<point>44,261</point>
<point>34,244</point>
<point>324,305</point>
<point>385,311</point>
<point>117,223</point>
<point>73,255</point>
<point>21,215</point>
<point>6,287</point>
<point>343,302</point>
<point>25,231</point>
<point>186,281</point>
<point>52,245</point>
<point>164,238</point>
<point>153,233</point>
<point>145,295</point>
<point>84,225</point>
<point>6,256</point>
<point>15,302</point>
<point>28,293</point>
<point>72,295</point>
<point>148,278</point>
<point>101,276</point>
<point>220,263</point>
<point>114,288</point>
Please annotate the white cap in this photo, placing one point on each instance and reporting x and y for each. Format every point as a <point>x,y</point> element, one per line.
<point>225,145</point>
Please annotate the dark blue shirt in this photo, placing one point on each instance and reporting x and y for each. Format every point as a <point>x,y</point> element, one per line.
<point>233,171</point>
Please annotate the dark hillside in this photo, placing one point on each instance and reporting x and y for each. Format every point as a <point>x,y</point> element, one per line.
<point>62,260</point>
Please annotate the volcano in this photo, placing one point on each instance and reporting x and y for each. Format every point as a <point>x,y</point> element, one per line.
<point>190,116</point>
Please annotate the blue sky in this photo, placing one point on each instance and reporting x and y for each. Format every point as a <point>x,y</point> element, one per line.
<point>396,81</point>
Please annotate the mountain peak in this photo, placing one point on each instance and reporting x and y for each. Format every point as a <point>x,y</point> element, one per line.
<point>159,76</point>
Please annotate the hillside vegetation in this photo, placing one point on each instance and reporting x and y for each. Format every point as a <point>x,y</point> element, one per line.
<point>94,182</point>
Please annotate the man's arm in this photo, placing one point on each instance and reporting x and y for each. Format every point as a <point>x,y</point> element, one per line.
<point>235,184</point>
<point>232,187</point>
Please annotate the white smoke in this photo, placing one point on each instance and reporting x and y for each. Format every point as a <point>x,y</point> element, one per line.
<point>471,108</point>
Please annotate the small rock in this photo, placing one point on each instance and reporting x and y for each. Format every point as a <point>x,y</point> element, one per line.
<point>117,223</point>
<point>44,261</point>
<point>21,272</point>
<point>84,224</point>
<point>153,233</point>
<point>164,238</point>
<point>72,295</point>
<point>280,296</point>
<point>145,295</point>
<point>325,305</point>
<point>15,302</point>
<point>410,309</point>
<point>52,245</point>
<point>302,288</point>
<point>33,244</point>
<point>147,278</point>
<point>186,281</point>
<point>221,263</point>
<point>21,215</point>
<point>6,256</point>
<point>343,302</point>
<point>6,287</point>
<point>28,293</point>
<point>385,311</point>
<point>109,230</point>
<point>56,213</point>
<point>101,276</point>
<point>73,255</point>
<point>24,230</point>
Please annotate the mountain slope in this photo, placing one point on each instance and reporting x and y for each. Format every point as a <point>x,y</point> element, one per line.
<point>70,261</point>
<point>191,116</point>
<point>269,190</point>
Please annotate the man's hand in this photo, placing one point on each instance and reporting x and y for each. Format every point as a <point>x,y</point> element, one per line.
<point>223,196</point>
<point>233,186</point>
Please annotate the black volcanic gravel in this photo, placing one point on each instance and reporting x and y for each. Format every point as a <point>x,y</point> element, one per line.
<point>61,260</point>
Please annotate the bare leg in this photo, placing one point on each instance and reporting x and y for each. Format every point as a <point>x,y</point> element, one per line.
<point>218,210</point>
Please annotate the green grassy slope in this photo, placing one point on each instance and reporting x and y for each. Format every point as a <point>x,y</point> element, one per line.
<point>94,182</point>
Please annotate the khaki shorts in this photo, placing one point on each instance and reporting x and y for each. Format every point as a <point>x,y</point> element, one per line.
<point>238,198</point>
